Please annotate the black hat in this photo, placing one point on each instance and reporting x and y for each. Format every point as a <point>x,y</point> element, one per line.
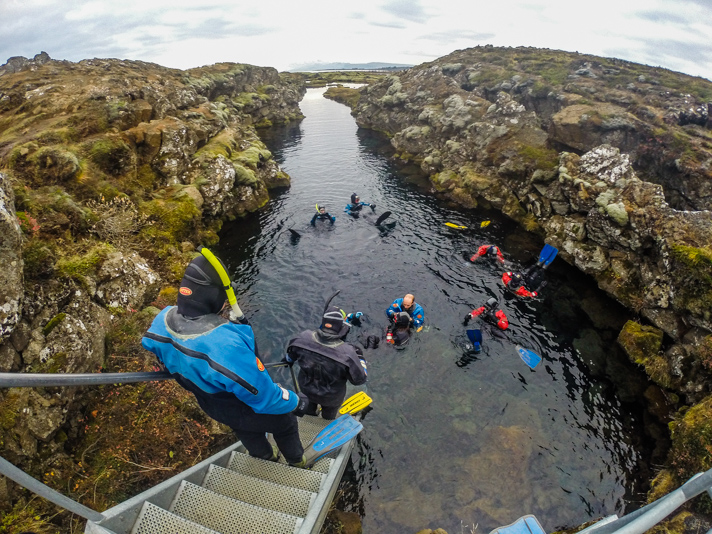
<point>333,321</point>
<point>201,290</point>
<point>492,303</point>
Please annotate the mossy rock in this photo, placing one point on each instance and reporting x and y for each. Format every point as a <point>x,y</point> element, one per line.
<point>53,323</point>
<point>112,156</point>
<point>80,266</point>
<point>55,164</point>
<point>691,452</point>
<point>640,342</point>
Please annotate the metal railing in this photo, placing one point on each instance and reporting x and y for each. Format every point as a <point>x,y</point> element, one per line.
<point>650,515</point>
<point>15,380</point>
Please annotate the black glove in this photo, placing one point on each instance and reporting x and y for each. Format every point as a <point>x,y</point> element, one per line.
<point>286,359</point>
<point>301,408</point>
<point>466,320</point>
<point>373,207</point>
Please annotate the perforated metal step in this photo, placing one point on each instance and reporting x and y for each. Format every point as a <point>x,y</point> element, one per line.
<point>258,492</point>
<point>275,472</point>
<point>229,516</point>
<point>155,520</point>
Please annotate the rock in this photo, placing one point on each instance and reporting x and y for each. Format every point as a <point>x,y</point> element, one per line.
<point>11,277</point>
<point>126,281</point>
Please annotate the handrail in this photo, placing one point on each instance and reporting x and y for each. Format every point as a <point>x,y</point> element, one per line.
<point>35,486</point>
<point>14,380</point>
<point>650,515</point>
<point>19,380</point>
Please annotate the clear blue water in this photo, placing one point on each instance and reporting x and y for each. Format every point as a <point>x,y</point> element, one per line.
<point>454,439</point>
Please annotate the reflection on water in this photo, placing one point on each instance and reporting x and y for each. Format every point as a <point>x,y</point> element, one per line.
<point>453,438</point>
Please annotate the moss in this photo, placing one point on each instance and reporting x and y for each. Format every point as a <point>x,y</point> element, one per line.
<point>54,164</point>
<point>263,123</point>
<point>112,156</point>
<point>675,525</point>
<point>640,342</point>
<point>699,260</point>
<point>662,484</point>
<point>344,95</point>
<point>53,322</point>
<point>251,157</point>
<point>244,176</point>
<point>691,434</point>
<point>10,406</point>
<point>78,267</point>
<point>224,144</point>
<point>174,220</point>
<point>539,157</point>
<point>38,258</point>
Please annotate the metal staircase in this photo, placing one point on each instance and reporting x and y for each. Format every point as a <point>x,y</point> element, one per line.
<point>233,493</point>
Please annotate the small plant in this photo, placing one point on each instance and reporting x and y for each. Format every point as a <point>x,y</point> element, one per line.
<point>118,220</point>
<point>28,224</point>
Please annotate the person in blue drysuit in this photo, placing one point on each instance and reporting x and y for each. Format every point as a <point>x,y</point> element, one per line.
<point>322,215</point>
<point>404,314</point>
<point>354,208</point>
<point>217,361</point>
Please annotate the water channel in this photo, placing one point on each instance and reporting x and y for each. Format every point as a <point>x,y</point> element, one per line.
<point>454,440</point>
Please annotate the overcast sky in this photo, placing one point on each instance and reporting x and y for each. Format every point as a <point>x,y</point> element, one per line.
<point>675,34</point>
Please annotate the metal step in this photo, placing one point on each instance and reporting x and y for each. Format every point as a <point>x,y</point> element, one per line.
<point>155,520</point>
<point>286,475</point>
<point>229,516</point>
<point>258,492</point>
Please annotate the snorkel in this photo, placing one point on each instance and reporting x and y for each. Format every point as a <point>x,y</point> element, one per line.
<point>235,311</point>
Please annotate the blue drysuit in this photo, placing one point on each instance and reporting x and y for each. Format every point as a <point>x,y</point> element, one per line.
<point>417,313</point>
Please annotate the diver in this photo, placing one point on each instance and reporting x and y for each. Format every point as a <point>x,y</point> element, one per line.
<point>489,313</point>
<point>326,363</point>
<point>322,215</point>
<point>533,280</point>
<point>404,314</point>
<point>216,359</point>
<point>488,250</point>
<point>355,207</point>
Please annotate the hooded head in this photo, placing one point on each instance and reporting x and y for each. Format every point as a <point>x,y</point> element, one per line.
<point>322,209</point>
<point>492,251</point>
<point>354,198</point>
<point>334,322</point>
<point>201,291</point>
<point>516,281</point>
<point>491,303</point>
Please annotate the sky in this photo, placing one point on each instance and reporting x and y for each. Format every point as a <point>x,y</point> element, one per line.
<point>675,34</point>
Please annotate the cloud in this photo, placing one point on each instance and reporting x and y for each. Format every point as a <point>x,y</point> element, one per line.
<point>661,17</point>
<point>406,9</point>
<point>393,24</point>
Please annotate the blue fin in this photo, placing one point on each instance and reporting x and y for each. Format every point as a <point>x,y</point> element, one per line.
<point>334,435</point>
<point>527,524</point>
<point>475,336</point>
<point>547,255</point>
<point>529,357</point>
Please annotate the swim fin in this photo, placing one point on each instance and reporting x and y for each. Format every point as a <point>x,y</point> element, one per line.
<point>529,357</point>
<point>547,255</point>
<point>476,339</point>
<point>453,225</point>
<point>383,217</point>
<point>333,436</point>
<point>355,403</point>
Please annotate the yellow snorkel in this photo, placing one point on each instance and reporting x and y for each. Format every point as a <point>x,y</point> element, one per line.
<point>225,279</point>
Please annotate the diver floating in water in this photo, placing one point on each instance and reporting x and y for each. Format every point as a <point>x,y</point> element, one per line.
<point>404,314</point>
<point>355,207</point>
<point>322,215</point>
<point>489,313</point>
<point>531,281</point>
<point>488,250</point>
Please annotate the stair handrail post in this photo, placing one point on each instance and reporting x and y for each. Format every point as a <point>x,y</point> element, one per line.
<point>16,380</point>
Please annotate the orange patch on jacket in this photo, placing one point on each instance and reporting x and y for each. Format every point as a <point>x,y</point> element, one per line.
<point>185,291</point>
<point>260,365</point>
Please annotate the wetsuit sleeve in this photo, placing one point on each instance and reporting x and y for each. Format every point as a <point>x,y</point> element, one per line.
<point>478,311</point>
<point>331,217</point>
<point>313,220</point>
<point>357,373</point>
<point>500,257</point>
<point>418,316</point>
<point>393,309</point>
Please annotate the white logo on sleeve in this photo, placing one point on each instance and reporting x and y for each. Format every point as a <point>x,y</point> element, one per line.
<point>285,393</point>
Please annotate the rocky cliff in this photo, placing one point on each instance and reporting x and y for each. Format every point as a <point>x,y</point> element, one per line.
<point>609,161</point>
<point>111,172</point>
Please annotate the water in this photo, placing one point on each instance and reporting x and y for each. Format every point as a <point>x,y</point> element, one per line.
<point>454,439</point>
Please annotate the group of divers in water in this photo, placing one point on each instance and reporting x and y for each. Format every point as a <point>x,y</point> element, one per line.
<point>209,347</point>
